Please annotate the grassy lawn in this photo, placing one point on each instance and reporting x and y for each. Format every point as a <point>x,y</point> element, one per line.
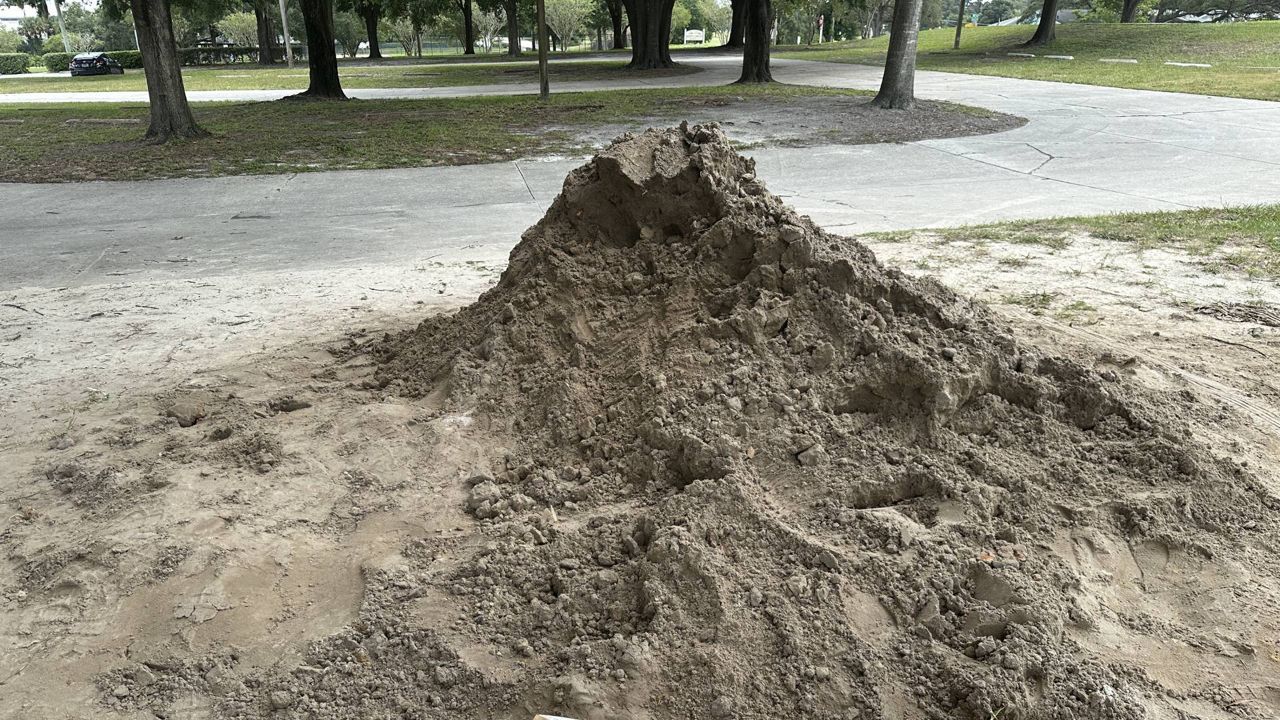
<point>65,142</point>
<point>1245,56</point>
<point>1244,239</point>
<point>354,75</point>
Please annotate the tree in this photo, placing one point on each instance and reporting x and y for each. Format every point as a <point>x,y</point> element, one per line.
<point>348,30</point>
<point>241,28</point>
<point>322,59</point>
<point>756,28</point>
<point>681,17</point>
<point>615,10</point>
<point>370,11</point>
<point>468,28</point>
<point>1047,29</point>
<point>171,116</point>
<point>737,20</point>
<point>959,26</point>
<point>402,32</point>
<point>997,11</point>
<point>487,25</point>
<point>898,87</point>
<point>40,6</point>
<point>650,33</point>
<point>264,31</point>
<point>73,42</point>
<point>35,30</point>
<point>512,11</point>
<point>711,16</point>
<point>565,18</point>
<point>412,17</point>
<point>10,41</point>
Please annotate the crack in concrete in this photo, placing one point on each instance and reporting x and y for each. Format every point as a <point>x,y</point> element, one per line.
<point>802,196</point>
<point>1192,149</point>
<point>1064,182</point>
<point>525,181</point>
<point>1184,113</point>
<point>1048,158</point>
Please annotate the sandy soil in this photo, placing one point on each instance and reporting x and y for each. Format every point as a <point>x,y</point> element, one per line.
<point>130,540</point>
<point>804,121</point>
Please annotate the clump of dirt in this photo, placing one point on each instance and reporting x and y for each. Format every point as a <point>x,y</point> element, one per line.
<point>742,470</point>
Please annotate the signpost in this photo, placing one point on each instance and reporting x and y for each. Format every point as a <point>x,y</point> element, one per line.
<point>284,23</point>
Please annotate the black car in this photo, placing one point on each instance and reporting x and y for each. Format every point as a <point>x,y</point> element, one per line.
<point>95,63</point>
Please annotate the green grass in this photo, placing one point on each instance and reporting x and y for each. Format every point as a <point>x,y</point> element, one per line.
<point>354,75</point>
<point>88,141</point>
<point>1236,51</point>
<point>1244,239</point>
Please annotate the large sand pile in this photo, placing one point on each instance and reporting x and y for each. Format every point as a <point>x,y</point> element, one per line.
<point>692,457</point>
<point>746,471</point>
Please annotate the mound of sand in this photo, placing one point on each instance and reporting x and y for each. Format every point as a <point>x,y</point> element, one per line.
<point>691,457</point>
<point>742,470</point>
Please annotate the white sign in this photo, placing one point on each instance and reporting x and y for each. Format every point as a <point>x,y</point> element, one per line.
<point>694,36</point>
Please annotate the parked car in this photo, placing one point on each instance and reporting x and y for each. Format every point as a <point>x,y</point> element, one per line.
<point>95,63</point>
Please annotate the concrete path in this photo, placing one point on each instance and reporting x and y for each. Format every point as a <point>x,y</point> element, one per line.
<point>1085,150</point>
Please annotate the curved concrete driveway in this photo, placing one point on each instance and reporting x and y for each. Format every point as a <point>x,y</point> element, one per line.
<point>1085,150</point>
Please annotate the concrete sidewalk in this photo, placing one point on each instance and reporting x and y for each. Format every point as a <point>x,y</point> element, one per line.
<point>1085,150</point>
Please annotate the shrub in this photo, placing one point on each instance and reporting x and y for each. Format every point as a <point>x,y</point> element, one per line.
<point>221,55</point>
<point>241,28</point>
<point>57,61</point>
<point>10,41</point>
<point>14,63</point>
<point>126,58</point>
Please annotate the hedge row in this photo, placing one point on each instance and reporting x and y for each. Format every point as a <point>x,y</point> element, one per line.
<point>61,61</point>
<point>228,54</point>
<point>14,63</point>
<point>127,58</point>
<point>57,61</point>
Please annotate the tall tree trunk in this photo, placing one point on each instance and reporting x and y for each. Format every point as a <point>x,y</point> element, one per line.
<point>959,26</point>
<point>371,14</point>
<point>615,19</point>
<point>322,58</point>
<point>1129,12</point>
<point>266,33</point>
<point>170,114</point>
<point>513,28</point>
<point>898,88</point>
<point>755,36</point>
<point>468,30</point>
<point>650,33</point>
<point>737,25</point>
<point>1047,30</point>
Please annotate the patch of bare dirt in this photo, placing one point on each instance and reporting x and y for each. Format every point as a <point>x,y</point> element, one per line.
<point>806,120</point>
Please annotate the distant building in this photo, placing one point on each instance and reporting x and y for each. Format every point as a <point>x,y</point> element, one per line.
<point>11,17</point>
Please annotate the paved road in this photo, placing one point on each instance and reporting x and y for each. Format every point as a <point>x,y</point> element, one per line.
<point>1085,150</point>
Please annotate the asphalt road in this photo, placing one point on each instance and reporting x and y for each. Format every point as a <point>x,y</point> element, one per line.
<point>1085,150</point>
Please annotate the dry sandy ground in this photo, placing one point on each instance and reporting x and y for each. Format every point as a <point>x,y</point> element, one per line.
<point>129,540</point>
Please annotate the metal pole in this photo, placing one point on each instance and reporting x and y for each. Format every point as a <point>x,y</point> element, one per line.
<point>544,90</point>
<point>62,29</point>
<point>284,24</point>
